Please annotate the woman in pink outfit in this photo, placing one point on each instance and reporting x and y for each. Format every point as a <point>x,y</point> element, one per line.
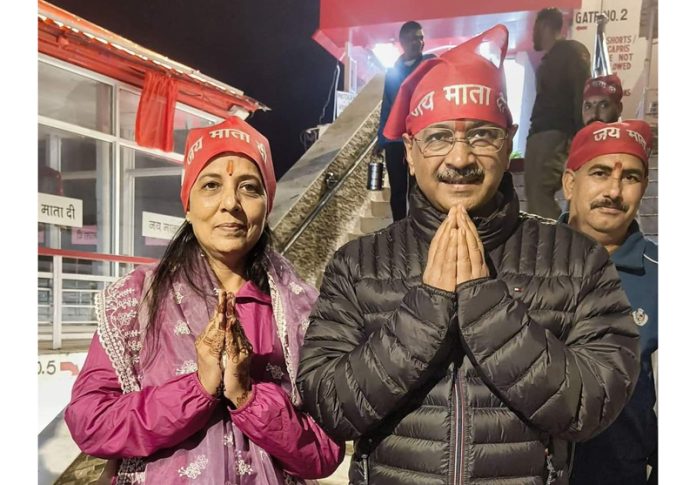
<point>191,375</point>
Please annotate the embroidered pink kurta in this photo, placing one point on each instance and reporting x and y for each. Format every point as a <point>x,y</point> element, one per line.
<point>107,423</point>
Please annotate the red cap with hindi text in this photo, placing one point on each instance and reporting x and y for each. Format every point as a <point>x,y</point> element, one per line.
<point>609,86</point>
<point>231,135</point>
<point>468,81</point>
<point>633,137</point>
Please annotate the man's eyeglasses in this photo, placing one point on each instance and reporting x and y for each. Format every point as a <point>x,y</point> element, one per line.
<point>484,140</point>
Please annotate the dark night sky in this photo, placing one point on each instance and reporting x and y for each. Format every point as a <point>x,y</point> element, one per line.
<point>263,47</point>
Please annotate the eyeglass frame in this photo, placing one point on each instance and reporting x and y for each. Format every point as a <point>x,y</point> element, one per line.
<point>465,141</point>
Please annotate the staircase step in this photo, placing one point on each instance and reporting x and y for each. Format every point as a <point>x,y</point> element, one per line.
<point>379,195</point>
<point>340,476</point>
<point>373,224</point>
<point>380,209</point>
<point>353,235</point>
<point>386,178</point>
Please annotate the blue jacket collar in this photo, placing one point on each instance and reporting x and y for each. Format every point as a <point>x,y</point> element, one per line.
<point>630,253</point>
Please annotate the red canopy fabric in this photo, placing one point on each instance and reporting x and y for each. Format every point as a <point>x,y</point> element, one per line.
<point>154,122</point>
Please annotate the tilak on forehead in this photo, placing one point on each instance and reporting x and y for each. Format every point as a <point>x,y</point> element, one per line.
<point>466,82</point>
<point>232,135</point>
<point>632,137</point>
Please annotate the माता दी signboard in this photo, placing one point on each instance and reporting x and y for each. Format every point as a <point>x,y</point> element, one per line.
<point>60,211</point>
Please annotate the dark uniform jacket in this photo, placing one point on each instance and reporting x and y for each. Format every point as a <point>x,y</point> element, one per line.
<point>473,386</point>
<point>619,455</point>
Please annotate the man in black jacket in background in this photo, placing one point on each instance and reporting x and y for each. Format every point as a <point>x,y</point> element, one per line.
<point>557,111</point>
<point>412,41</point>
<point>468,342</point>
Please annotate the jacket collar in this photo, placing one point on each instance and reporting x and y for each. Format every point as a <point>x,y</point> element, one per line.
<point>401,62</point>
<point>493,229</point>
<point>630,254</point>
<point>249,291</point>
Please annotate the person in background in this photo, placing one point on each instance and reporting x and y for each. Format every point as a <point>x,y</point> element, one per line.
<point>605,179</point>
<point>191,375</point>
<point>412,41</point>
<point>556,115</point>
<point>601,99</point>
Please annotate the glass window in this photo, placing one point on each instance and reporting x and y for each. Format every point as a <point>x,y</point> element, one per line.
<point>183,120</point>
<point>70,97</point>
<point>78,305</point>
<point>514,80</point>
<point>79,167</point>
<point>148,184</point>
<point>45,292</point>
<point>127,109</point>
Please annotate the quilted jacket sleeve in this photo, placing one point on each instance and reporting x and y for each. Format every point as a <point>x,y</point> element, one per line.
<point>573,388</point>
<point>351,381</point>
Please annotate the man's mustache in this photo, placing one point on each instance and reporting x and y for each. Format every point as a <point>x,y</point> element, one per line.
<point>465,175</point>
<point>609,204</point>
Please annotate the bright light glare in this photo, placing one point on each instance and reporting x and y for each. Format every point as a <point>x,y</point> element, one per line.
<point>514,81</point>
<point>488,53</point>
<point>386,53</point>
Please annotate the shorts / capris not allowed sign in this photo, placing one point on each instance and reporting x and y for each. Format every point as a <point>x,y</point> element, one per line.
<point>626,49</point>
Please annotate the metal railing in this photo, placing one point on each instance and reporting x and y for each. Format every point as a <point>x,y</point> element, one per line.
<point>68,282</point>
<point>332,184</point>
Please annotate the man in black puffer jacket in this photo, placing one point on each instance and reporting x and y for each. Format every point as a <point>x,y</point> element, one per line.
<point>468,343</point>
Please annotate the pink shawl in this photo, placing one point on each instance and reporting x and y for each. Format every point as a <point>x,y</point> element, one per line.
<point>219,453</point>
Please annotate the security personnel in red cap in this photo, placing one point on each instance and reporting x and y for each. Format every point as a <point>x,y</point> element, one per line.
<point>601,99</point>
<point>468,342</point>
<point>605,179</point>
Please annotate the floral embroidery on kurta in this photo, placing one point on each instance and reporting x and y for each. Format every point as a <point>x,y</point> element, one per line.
<point>295,288</point>
<point>177,292</point>
<point>193,470</point>
<point>242,467</point>
<point>187,367</point>
<point>182,328</point>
